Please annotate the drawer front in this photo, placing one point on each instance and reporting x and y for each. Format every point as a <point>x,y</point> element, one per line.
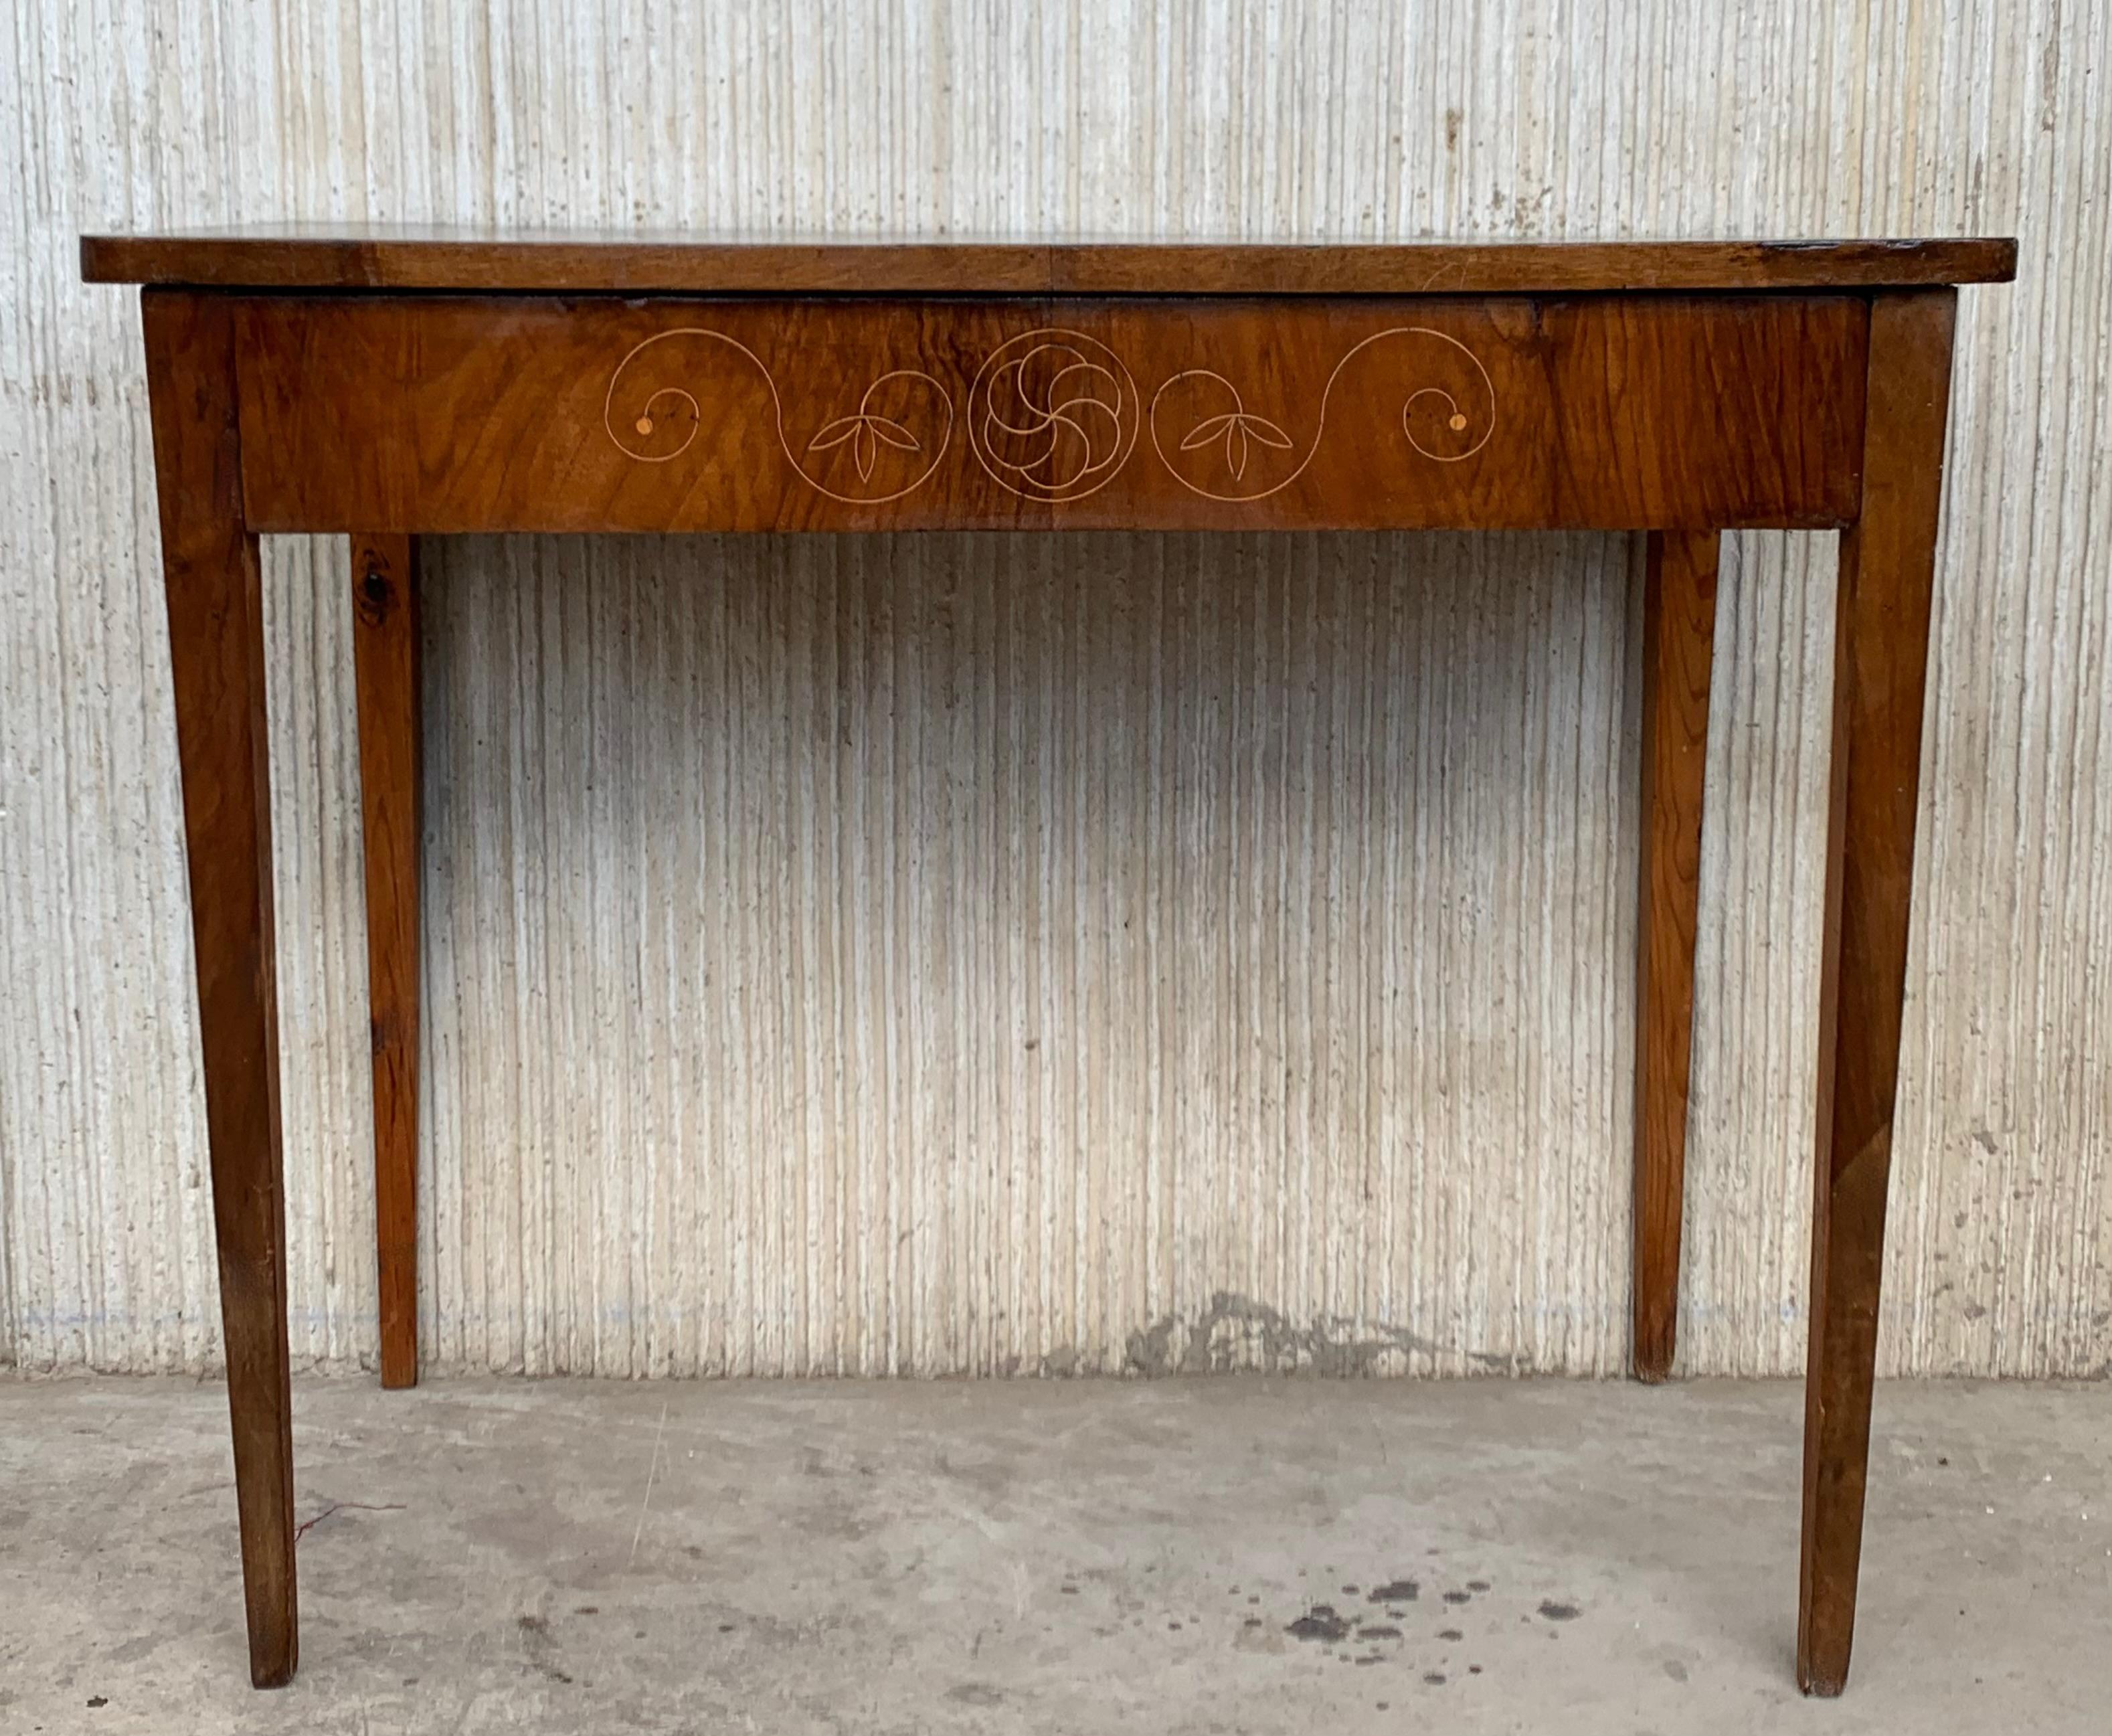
<point>441,413</point>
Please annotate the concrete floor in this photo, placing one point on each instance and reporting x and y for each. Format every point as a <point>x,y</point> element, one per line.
<point>1218,1556</point>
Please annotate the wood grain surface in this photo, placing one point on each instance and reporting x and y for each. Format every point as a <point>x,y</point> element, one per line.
<point>346,257</point>
<point>1880,665</point>
<point>1679,624</point>
<point>217,655</point>
<point>384,610</point>
<point>455,414</point>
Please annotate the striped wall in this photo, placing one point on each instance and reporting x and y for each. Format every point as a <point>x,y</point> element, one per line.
<point>975,955</point>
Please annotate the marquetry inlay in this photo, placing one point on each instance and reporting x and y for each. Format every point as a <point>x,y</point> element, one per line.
<point>1215,437</point>
<point>658,417</point>
<point>1053,416</point>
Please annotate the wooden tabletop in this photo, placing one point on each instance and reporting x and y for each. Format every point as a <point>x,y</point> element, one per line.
<point>356,256</point>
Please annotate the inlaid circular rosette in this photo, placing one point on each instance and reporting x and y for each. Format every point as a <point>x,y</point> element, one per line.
<point>1052,415</point>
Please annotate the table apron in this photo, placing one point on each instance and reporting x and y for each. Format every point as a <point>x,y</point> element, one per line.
<point>440,413</point>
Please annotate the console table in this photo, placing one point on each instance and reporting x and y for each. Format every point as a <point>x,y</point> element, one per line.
<point>388,385</point>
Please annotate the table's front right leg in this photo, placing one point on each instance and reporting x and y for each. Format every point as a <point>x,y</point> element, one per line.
<point>1880,669</point>
<point>216,656</point>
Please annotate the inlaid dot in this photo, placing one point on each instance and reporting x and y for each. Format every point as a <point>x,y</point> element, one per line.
<point>644,425</point>
<point>1458,422</point>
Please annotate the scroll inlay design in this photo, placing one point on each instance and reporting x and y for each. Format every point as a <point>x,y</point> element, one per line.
<point>1052,415</point>
<point>1237,429</point>
<point>884,416</point>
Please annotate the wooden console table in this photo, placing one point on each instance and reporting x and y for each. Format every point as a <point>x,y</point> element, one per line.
<point>391,385</point>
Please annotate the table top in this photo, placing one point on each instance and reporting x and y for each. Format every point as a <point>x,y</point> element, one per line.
<point>359,256</point>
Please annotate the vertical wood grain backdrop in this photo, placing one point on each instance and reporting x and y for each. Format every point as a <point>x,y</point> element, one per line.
<point>964,955</point>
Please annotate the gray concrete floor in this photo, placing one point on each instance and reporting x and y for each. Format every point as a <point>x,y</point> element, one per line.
<point>1083,1558</point>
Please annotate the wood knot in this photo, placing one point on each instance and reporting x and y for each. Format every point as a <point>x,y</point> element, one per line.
<point>376,596</point>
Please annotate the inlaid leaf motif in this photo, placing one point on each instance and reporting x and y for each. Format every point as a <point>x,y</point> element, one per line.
<point>640,398</point>
<point>865,430</point>
<point>1237,428</point>
<point>1455,392</point>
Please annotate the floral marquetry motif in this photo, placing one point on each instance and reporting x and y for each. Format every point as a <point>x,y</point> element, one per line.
<point>1448,412</point>
<point>654,417</point>
<point>1053,416</point>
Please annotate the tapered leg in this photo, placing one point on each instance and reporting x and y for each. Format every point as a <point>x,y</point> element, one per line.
<point>1679,625</point>
<point>385,597</point>
<point>1880,660</point>
<point>217,654</point>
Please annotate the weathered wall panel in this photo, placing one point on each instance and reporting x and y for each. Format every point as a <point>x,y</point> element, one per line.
<point>1154,952</point>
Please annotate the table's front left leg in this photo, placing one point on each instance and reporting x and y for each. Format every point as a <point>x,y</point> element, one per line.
<point>216,656</point>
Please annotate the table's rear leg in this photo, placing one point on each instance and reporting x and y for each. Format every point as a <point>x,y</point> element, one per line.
<point>1679,622</point>
<point>216,656</point>
<point>385,597</point>
<point>1880,660</point>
